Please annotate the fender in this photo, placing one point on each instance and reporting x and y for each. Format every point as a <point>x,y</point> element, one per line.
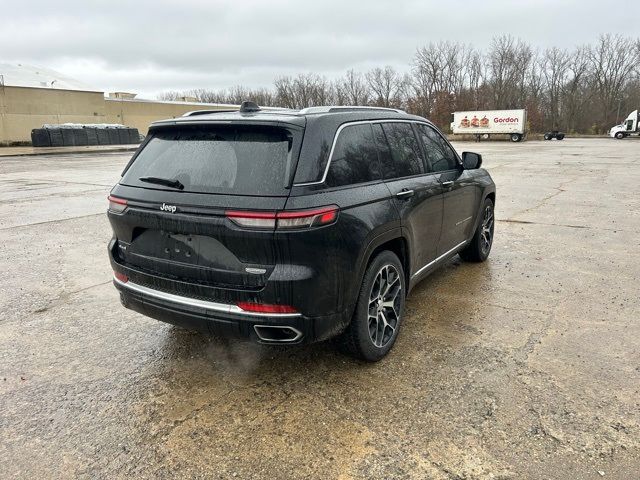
<point>365,256</point>
<point>485,193</point>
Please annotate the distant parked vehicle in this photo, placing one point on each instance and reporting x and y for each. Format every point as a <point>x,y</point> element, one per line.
<point>554,134</point>
<point>631,126</point>
<point>484,123</point>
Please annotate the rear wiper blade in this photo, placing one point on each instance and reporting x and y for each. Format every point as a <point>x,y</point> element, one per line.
<point>163,181</point>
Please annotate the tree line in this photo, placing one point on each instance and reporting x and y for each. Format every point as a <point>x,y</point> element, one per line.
<point>586,89</point>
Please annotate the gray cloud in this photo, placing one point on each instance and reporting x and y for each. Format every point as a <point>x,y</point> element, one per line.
<point>150,46</point>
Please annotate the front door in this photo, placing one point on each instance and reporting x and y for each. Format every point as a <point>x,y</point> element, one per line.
<point>460,194</point>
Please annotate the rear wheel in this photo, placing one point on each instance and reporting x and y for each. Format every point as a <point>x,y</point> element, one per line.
<point>374,327</point>
<point>560,136</point>
<point>480,245</point>
<point>516,137</point>
<point>547,136</point>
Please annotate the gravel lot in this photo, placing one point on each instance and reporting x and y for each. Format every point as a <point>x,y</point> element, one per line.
<point>526,366</point>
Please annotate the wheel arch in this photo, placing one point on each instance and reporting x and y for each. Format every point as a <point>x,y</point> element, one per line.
<point>491,196</point>
<point>392,240</point>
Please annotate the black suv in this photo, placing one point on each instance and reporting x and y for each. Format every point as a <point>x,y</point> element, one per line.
<point>294,226</point>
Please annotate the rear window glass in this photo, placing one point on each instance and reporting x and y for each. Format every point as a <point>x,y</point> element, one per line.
<point>241,160</point>
<point>355,157</point>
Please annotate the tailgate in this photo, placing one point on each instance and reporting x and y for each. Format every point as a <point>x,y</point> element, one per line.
<point>195,244</point>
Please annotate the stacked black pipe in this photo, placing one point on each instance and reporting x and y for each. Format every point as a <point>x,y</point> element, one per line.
<point>69,136</point>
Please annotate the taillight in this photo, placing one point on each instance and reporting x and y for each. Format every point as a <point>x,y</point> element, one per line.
<point>121,276</point>
<point>252,219</point>
<point>265,308</point>
<point>117,205</point>
<point>308,218</point>
<point>285,220</point>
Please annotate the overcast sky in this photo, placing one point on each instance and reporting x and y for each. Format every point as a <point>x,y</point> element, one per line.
<point>152,46</point>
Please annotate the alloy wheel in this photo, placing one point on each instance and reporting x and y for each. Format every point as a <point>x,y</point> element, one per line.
<point>384,305</point>
<point>486,233</point>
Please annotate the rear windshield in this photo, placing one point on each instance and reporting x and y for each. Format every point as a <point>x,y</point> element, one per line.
<point>240,160</point>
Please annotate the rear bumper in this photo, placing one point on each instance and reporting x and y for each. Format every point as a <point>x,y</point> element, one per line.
<point>226,319</point>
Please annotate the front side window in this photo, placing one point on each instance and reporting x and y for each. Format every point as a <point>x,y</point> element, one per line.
<point>241,160</point>
<point>405,151</point>
<point>355,158</point>
<point>440,155</point>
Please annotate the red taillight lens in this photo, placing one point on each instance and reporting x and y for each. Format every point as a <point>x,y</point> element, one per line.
<point>117,205</point>
<point>308,218</point>
<point>252,219</point>
<point>265,308</point>
<point>121,276</point>
<point>285,220</point>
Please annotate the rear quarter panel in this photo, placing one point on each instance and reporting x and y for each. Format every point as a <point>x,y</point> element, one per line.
<point>336,253</point>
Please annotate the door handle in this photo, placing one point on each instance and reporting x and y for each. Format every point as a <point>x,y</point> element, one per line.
<point>448,183</point>
<point>405,194</point>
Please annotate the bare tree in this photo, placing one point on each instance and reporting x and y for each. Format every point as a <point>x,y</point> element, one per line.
<point>613,61</point>
<point>387,86</point>
<point>586,89</point>
<point>509,61</point>
<point>352,89</point>
<point>442,73</point>
<point>554,66</point>
<point>305,90</point>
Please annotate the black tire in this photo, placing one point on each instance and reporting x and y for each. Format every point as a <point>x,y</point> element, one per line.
<point>619,135</point>
<point>516,137</point>
<point>363,334</point>
<point>560,136</point>
<point>478,250</point>
<point>547,136</point>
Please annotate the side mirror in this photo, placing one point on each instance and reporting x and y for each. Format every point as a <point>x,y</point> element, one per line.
<point>471,160</point>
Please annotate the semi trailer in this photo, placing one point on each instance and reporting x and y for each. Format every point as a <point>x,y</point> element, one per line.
<point>484,123</point>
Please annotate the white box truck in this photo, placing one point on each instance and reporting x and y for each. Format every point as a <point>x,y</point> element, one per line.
<point>484,123</point>
<point>629,127</point>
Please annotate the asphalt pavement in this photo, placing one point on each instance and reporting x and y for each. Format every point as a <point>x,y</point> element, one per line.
<point>526,366</point>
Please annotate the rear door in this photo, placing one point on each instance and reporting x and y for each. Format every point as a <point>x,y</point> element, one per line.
<point>460,192</point>
<point>417,194</point>
<point>183,192</point>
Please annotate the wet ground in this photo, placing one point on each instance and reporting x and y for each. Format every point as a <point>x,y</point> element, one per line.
<point>526,366</point>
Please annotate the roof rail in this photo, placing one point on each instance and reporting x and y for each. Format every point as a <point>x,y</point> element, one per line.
<point>195,113</point>
<point>345,108</point>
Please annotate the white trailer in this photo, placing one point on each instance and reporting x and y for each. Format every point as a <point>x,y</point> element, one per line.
<point>631,126</point>
<point>484,123</point>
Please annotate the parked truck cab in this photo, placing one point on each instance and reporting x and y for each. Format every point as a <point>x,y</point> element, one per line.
<point>628,127</point>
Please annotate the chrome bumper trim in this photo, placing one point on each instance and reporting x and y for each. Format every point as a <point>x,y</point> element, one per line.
<point>194,302</point>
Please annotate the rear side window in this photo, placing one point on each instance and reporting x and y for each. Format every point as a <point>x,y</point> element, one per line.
<point>405,151</point>
<point>440,155</point>
<point>355,158</point>
<point>242,160</point>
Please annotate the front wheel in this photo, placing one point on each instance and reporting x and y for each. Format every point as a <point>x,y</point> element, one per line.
<point>480,245</point>
<point>374,327</point>
<point>547,136</point>
<point>619,135</point>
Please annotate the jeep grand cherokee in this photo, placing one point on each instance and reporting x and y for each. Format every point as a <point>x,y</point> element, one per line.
<point>294,226</point>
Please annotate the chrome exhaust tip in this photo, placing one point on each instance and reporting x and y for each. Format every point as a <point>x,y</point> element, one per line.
<point>277,333</point>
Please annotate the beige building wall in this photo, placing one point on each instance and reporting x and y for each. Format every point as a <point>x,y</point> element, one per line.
<point>23,109</point>
<point>140,113</point>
